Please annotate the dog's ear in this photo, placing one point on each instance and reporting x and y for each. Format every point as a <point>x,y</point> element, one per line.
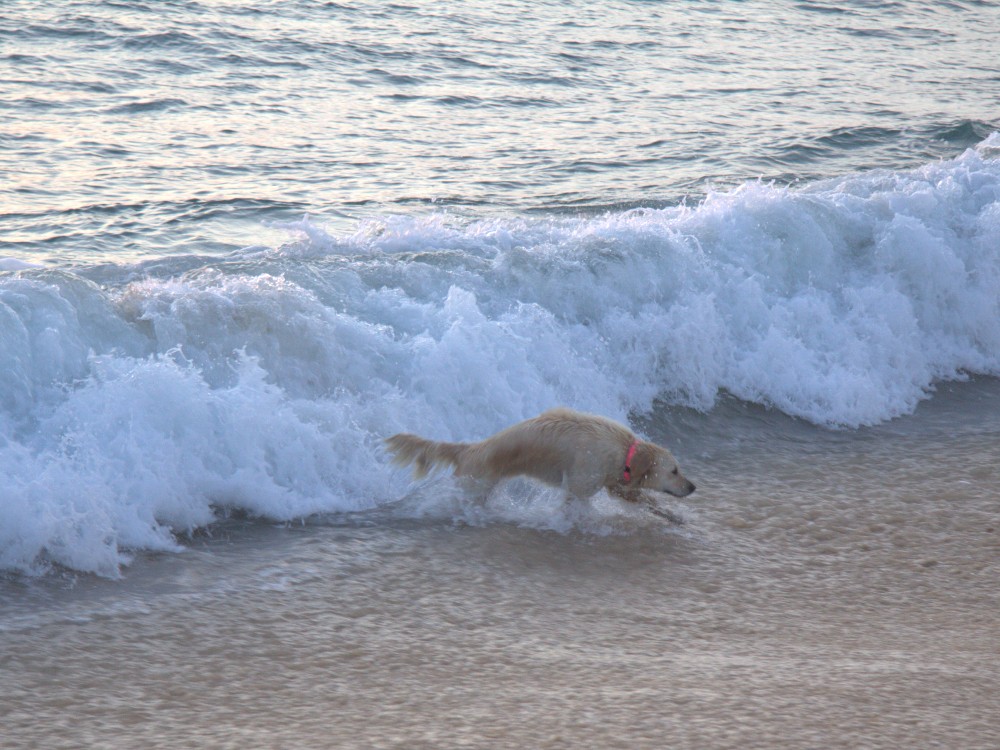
<point>642,463</point>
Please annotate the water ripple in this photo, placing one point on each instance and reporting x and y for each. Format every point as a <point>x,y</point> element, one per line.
<point>511,108</point>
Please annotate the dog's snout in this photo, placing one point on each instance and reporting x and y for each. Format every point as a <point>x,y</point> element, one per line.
<point>682,491</point>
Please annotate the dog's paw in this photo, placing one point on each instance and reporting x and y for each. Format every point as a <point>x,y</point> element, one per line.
<point>667,515</point>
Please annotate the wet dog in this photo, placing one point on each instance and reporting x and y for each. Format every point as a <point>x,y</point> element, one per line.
<point>581,453</point>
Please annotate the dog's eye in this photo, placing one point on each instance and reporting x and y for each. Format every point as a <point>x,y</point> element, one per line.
<point>676,471</point>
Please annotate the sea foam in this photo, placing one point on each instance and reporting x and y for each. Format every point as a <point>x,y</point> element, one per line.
<point>135,402</point>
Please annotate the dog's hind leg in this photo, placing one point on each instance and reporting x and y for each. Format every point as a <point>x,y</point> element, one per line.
<point>476,488</point>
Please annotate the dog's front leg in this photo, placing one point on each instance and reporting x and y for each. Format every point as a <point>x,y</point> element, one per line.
<point>647,501</point>
<point>581,490</point>
<point>626,493</point>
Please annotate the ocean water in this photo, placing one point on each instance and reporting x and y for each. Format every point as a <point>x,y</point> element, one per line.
<point>241,243</point>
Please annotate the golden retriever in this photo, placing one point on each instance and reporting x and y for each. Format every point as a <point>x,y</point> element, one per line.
<point>581,453</point>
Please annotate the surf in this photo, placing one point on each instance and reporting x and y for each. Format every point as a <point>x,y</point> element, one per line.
<point>140,399</point>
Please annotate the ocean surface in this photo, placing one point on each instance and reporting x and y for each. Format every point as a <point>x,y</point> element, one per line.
<point>243,242</point>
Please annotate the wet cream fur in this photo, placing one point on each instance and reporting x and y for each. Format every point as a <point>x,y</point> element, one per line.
<point>581,453</point>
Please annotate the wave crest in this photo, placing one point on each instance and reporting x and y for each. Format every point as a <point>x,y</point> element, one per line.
<point>132,409</point>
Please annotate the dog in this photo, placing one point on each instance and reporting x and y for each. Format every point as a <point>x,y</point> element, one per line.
<point>580,453</point>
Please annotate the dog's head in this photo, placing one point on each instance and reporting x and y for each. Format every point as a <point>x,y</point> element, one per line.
<point>654,468</point>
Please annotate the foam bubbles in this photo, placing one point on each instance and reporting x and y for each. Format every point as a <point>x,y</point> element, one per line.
<point>132,411</point>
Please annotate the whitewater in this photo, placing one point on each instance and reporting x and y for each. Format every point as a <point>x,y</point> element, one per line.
<point>142,401</point>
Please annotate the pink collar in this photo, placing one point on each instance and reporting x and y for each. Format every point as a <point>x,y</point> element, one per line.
<point>627,474</point>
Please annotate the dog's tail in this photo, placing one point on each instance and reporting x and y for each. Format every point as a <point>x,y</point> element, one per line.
<point>424,454</point>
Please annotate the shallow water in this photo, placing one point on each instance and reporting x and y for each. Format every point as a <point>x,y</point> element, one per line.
<point>826,588</point>
<point>765,235</point>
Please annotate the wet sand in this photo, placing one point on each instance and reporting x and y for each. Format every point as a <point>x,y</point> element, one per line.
<point>829,589</point>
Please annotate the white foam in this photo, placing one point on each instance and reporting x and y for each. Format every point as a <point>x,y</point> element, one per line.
<point>130,412</point>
